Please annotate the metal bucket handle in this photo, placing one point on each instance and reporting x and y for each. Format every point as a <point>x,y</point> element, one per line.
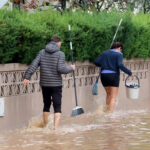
<point>136,78</point>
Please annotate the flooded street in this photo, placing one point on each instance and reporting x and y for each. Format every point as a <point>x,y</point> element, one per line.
<point>128,130</point>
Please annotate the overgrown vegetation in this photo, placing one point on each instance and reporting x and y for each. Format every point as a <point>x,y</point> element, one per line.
<point>23,35</point>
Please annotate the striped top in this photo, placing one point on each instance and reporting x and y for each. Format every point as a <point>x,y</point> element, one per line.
<point>52,64</point>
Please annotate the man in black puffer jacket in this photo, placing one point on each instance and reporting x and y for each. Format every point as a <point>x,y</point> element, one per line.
<point>52,64</point>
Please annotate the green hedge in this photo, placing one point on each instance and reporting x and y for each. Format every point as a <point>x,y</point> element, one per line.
<point>23,35</point>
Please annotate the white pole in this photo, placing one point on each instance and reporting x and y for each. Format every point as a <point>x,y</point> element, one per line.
<point>11,6</point>
<point>116,32</point>
<point>2,106</point>
<point>70,37</point>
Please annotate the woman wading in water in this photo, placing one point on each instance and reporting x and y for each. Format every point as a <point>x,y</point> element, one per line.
<point>111,62</point>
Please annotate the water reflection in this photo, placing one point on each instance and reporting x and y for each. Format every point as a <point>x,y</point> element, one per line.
<point>94,131</point>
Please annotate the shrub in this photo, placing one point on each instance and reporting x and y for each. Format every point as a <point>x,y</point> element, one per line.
<point>23,35</point>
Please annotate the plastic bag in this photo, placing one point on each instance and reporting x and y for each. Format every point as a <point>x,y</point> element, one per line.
<point>95,89</point>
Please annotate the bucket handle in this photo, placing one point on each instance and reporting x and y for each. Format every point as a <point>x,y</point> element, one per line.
<point>134,76</point>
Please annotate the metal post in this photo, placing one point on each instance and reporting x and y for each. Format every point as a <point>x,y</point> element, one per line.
<point>75,90</point>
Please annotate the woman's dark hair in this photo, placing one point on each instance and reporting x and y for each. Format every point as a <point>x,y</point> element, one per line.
<point>117,45</point>
<point>56,39</point>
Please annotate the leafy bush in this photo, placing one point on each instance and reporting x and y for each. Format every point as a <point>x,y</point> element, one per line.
<point>23,35</point>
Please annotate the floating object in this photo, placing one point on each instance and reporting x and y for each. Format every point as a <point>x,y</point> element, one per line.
<point>132,89</point>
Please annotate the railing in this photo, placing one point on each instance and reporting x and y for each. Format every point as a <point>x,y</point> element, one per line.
<point>11,82</point>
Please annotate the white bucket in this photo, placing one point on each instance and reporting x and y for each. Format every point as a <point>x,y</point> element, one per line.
<point>132,93</point>
<point>132,89</point>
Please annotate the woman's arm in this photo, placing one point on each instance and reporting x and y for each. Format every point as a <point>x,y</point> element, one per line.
<point>121,65</point>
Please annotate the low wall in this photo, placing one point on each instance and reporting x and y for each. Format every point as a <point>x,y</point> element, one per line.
<point>22,103</point>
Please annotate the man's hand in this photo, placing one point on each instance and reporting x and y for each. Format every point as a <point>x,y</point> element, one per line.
<point>26,82</point>
<point>73,67</point>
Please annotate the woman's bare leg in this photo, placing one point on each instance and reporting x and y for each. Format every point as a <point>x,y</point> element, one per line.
<point>108,97</point>
<point>111,95</point>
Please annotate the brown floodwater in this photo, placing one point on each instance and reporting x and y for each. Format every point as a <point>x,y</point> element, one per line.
<point>123,130</point>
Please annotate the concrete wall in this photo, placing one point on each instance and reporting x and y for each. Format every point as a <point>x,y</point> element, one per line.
<point>21,103</point>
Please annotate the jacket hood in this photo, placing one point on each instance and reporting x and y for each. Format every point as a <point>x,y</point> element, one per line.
<point>52,47</point>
